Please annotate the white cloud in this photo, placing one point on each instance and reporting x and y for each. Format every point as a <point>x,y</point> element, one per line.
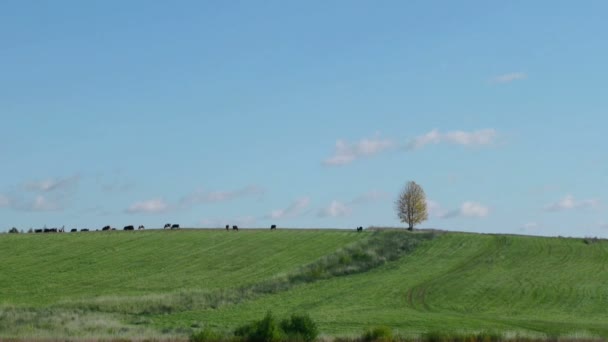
<point>335,209</point>
<point>42,203</point>
<point>220,196</point>
<point>568,202</point>
<point>433,208</point>
<point>469,209</point>
<point>510,77</point>
<point>475,138</point>
<point>346,152</point>
<point>152,206</point>
<point>293,210</point>
<point>52,184</point>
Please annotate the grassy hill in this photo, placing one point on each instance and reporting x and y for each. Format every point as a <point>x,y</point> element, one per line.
<point>160,283</point>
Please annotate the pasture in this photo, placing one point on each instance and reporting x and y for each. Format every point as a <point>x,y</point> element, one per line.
<point>168,284</point>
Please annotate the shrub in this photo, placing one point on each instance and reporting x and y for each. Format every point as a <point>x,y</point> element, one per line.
<point>300,328</point>
<point>206,335</point>
<point>14,230</point>
<point>384,334</point>
<point>265,330</point>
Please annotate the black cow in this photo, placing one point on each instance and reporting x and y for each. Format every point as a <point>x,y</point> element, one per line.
<point>84,230</point>
<point>74,230</point>
<point>106,228</point>
<point>235,227</point>
<point>129,228</point>
<point>37,230</point>
<point>273,227</point>
<point>113,229</point>
<point>227,227</point>
<point>141,227</point>
<point>168,225</point>
<point>175,226</point>
<point>359,229</point>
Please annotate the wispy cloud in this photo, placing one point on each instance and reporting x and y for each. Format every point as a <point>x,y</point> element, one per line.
<point>295,209</point>
<point>468,209</point>
<point>509,77</point>
<point>52,184</point>
<point>346,152</point>
<point>434,209</point>
<point>198,197</point>
<point>338,208</point>
<point>335,209</point>
<point>36,204</point>
<point>568,202</point>
<point>152,206</point>
<point>51,194</point>
<point>474,138</point>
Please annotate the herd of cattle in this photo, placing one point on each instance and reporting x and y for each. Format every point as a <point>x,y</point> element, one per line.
<point>106,228</point>
<point>141,227</point>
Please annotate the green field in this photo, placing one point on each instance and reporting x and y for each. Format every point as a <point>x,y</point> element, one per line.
<point>166,284</point>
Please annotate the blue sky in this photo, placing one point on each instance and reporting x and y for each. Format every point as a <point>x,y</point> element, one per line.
<point>304,114</point>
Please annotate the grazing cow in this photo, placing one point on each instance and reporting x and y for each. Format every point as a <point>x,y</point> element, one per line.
<point>359,229</point>
<point>168,225</point>
<point>175,226</point>
<point>273,227</point>
<point>235,228</point>
<point>74,230</point>
<point>113,229</point>
<point>129,228</point>
<point>141,227</point>
<point>37,230</point>
<point>227,227</point>
<point>84,230</point>
<point>106,228</point>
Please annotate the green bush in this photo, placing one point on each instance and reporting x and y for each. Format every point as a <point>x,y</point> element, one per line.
<point>300,328</point>
<point>383,334</point>
<point>265,330</point>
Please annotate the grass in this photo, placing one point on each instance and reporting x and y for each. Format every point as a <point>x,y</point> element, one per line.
<point>171,284</point>
<point>42,269</point>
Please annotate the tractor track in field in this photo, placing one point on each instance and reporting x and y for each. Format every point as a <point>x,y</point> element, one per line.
<point>417,295</point>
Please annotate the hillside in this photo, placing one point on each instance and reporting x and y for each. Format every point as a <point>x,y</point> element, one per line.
<point>453,282</point>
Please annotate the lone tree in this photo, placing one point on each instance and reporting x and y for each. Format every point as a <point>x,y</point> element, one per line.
<point>411,205</point>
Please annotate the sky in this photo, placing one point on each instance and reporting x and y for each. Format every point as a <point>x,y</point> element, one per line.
<point>311,114</point>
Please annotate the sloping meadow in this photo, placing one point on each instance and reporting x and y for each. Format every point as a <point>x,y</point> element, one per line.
<point>106,284</point>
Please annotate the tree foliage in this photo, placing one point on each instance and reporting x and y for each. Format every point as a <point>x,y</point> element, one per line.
<point>411,205</point>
